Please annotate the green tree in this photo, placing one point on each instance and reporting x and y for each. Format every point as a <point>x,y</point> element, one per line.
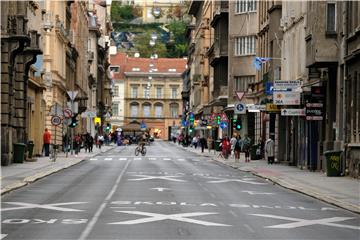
<point>145,50</point>
<point>123,13</point>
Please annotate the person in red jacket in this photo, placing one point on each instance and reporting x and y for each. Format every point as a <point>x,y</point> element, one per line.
<point>47,141</point>
<point>226,147</point>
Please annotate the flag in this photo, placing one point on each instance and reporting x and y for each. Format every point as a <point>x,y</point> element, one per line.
<point>260,60</point>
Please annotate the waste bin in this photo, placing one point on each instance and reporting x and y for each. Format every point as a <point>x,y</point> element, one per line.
<point>333,163</point>
<point>217,145</point>
<point>19,152</point>
<point>30,148</point>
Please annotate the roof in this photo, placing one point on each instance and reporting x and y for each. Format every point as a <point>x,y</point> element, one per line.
<point>142,65</point>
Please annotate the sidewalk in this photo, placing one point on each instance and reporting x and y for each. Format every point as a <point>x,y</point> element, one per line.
<point>343,192</point>
<point>17,175</point>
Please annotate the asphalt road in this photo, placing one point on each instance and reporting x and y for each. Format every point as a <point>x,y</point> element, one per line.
<point>168,194</point>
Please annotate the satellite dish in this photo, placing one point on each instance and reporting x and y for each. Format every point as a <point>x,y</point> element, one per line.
<point>137,55</point>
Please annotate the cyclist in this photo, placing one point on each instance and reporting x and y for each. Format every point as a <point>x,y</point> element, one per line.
<point>142,141</point>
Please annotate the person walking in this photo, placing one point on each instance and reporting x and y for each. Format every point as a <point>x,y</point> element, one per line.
<point>209,143</point>
<point>226,148</point>
<point>246,147</point>
<point>270,149</point>
<point>232,144</point>
<point>238,147</point>
<point>202,143</point>
<point>46,142</point>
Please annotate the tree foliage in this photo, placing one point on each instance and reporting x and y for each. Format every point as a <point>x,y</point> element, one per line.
<point>124,13</point>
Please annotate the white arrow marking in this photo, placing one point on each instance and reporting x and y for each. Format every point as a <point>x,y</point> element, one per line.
<point>298,222</point>
<point>44,206</point>
<point>147,177</point>
<point>122,159</point>
<point>2,236</point>
<point>182,217</point>
<point>160,189</point>
<point>258,193</point>
<point>222,180</point>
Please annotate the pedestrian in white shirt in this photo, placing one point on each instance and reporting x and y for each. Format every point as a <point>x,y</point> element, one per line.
<point>270,150</point>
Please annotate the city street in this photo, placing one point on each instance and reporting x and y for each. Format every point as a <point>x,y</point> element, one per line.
<point>170,193</point>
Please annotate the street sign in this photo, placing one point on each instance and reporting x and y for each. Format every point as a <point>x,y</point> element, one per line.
<point>287,85</point>
<point>67,113</point>
<point>97,120</point>
<point>240,108</point>
<point>55,120</point>
<point>67,121</point>
<point>239,95</point>
<point>292,112</point>
<point>56,110</point>
<point>286,98</point>
<point>272,108</point>
<point>72,94</point>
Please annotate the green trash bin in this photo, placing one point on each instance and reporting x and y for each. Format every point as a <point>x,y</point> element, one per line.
<point>19,152</point>
<point>333,163</point>
<point>217,145</point>
<point>30,148</point>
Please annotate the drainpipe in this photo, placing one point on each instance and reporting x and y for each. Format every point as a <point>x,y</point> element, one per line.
<point>344,89</point>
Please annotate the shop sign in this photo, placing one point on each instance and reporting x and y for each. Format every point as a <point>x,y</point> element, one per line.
<point>256,108</point>
<point>269,88</point>
<point>272,108</point>
<point>287,85</point>
<point>314,111</point>
<point>97,120</point>
<point>286,98</point>
<point>292,112</point>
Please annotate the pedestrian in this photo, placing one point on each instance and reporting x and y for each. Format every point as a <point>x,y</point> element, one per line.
<point>195,142</point>
<point>232,144</point>
<point>226,148</point>
<point>238,147</point>
<point>270,149</point>
<point>101,140</point>
<point>91,143</point>
<point>209,143</point>
<point>77,143</point>
<point>46,142</point>
<point>202,143</point>
<point>246,147</point>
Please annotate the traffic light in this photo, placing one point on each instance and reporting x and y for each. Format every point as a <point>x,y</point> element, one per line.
<point>218,119</point>
<point>108,126</point>
<point>190,129</point>
<point>74,121</point>
<point>238,124</point>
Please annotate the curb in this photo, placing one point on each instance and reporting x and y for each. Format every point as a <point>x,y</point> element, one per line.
<point>30,179</point>
<point>330,200</point>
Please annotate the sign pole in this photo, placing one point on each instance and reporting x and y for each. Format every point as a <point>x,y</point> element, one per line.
<point>54,146</point>
<point>72,129</point>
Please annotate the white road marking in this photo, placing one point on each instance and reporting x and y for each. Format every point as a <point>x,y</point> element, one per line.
<point>147,177</point>
<point>223,180</point>
<point>298,222</point>
<point>44,206</point>
<point>123,207</point>
<point>152,159</point>
<point>93,159</point>
<point>137,159</point>
<point>2,236</point>
<point>249,228</point>
<point>181,217</point>
<point>122,159</point>
<point>167,159</point>
<point>91,224</point>
<point>181,159</point>
<point>233,213</point>
<point>160,189</point>
<point>108,159</point>
<point>258,193</point>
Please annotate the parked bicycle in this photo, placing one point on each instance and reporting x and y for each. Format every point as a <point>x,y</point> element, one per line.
<point>141,150</point>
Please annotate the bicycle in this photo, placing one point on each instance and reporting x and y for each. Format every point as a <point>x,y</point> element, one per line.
<point>138,150</point>
<point>53,152</point>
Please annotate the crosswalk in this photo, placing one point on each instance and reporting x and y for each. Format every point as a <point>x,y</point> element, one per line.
<point>139,159</point>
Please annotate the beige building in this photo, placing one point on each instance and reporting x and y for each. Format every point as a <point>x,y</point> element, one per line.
<point>152,97</point>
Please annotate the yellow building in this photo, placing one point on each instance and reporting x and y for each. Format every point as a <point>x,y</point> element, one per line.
<point>153,92</point>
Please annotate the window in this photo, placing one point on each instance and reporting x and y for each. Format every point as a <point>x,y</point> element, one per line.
<point>115,69</point>
<point>146,108</point>
<point>158,92</point>
<point>158,110</point>
<point>245,45</point>
<point>115,109</point>
<point>146,92</point>
<point>331,17</point>
<point>173,92</point>
<point>134,108</point>
<point>242,6</point>
<point>174,110</point>
<point>241,83</point>
<point>135,69</point>
<point>116,91</point>
<point>134,92</point>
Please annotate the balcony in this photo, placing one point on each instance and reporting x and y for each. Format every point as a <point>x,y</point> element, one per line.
<point>64,34</point>
<point>221,10</point>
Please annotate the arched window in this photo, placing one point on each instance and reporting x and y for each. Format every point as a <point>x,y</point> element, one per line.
<point>146,109</point>
<point>174,110</point>
<point>134,110</point>
<point>158,110</point>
